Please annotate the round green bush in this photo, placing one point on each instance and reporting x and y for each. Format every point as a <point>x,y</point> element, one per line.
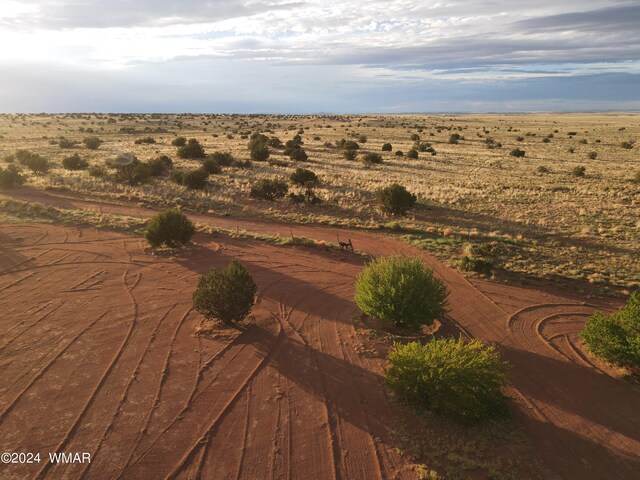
<point>387,147</point>
<point>450,377</point>
<point>616,337</point>
<point>402,290</point>
<point>413,154</point>
<point>171,228</point>
<point>226,295</point>
<point>395,199</point>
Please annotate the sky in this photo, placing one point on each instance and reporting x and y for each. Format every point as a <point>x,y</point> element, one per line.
<point>319,56</point>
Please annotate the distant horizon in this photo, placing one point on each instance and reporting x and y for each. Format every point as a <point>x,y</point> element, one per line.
<point>326,114</point>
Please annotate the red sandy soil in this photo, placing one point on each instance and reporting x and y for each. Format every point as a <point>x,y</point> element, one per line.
<point>98,354</point>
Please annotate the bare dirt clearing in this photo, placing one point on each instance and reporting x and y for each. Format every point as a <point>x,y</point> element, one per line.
<point>98,354</point>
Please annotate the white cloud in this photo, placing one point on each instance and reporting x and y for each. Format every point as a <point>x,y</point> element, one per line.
<point>372,43</point>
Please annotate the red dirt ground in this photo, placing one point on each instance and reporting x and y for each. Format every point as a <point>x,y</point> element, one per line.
<point>98,354</point>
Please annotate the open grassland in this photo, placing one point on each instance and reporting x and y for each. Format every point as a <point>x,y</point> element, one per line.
<point>532,216</point>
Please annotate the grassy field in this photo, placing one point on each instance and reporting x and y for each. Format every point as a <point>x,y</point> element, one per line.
<point>529,217</point>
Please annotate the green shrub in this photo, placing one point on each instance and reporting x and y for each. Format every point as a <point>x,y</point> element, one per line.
<point>516,152</point>
<point>454,138</point>
<point>459,380</point>
<point>97,171</point>
<point>192,149</point>
<point>10,177</point>
<point>309,197</point>
<point>66,143</point>
<point>134,173</point>
<point>275,142</point>
<point>171,228</point>
<point>616,337</point>
<point>179,142</point>
<point>593,155</point>
<point>302,176</point>
<point>372,158</point>
<point>476,264</point>
<point>387,147</point>
<point>402,290</point>
<point>350,154</point>
<point>145,141</point>
<point>347,145</point>
<point>75,162</point>
<point>159,165</point>
<point>258,148</point>
<point>395,199</point>
<point>225,295</point>
<point>195,179</point>
<point>578,171</point>
<point>298,155</point>
<point>222,159</point>
<point>413,154</point>
<point>211,166</point>
<point>362,139</point>
<point>92,143</point>
<point>293,144</point>
<point>628,145</point>
<point>269,189</point>
<point>399,153</point>
<point>32,161</point>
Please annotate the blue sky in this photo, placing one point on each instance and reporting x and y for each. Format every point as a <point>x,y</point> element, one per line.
<point>288,56</point>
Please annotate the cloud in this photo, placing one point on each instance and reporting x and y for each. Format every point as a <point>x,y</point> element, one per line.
<point>341,52</point>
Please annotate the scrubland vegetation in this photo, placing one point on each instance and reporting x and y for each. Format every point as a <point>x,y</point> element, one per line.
<point>553,197</point>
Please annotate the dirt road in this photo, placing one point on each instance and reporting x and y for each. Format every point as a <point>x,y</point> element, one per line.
<point>98,354</point>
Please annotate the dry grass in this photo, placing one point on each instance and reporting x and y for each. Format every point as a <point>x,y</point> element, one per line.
<point>547,223</point>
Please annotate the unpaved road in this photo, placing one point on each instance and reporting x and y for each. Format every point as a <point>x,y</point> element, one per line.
<point>97,354</point>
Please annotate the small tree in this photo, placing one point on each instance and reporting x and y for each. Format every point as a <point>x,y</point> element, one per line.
<point>616,337</point>
<point>179,142</point>
<point>258,147</point>
<point>226,295</point>
<point>452,378</point>
<point>192,149</point>
<point>402,290</point>
<point>395,199</point>
<point>171,228</point>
